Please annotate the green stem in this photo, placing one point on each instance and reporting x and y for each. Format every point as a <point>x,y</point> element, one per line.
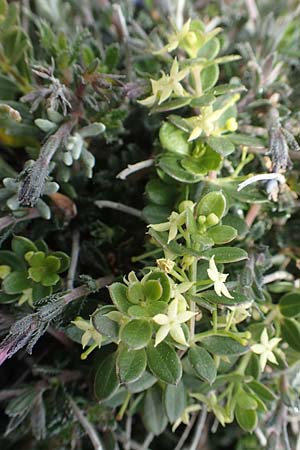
<point>200,336</point>
<point>244,363</point>
<point>192,305</point>
<point>145,255</point>
<point>123,407</point>
<point>196,71</point>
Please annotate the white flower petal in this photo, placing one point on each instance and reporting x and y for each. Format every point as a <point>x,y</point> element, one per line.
<point>185,316</point>
<point>161,319</point>
<point>177,334</point>
<point>258,348</point>
<point>264,338</point>
<point>263,361</point>
<point>85,339</point>
<point>161,334</point>
<point>225,291</point>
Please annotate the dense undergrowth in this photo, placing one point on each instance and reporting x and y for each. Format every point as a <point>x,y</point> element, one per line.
<point>149,259</point>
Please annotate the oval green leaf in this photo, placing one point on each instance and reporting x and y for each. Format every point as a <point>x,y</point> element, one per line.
<point>164,363</point>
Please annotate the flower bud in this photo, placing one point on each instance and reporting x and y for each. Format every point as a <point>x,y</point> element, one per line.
<point>201,220</point>
<point>231,124</point>
<point>185,205</point>
<point>187,261</point>
<point>165,265</point>
<point>212,219</point>
<point>191,38</point>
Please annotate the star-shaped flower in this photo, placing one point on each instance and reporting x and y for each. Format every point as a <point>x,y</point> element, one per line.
<point>175,220</point>
<point>265,349</point>
<point>89,332</point>
<point>175,38</point>
<point>207,122</point>
<point>165,86</point>
<point>218,278</point>
<point>171,323</point>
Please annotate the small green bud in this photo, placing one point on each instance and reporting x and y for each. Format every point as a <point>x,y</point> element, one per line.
<point>185,205</point>
<point>231,124</point>
<point>191,38</point>
<point>187,261</point>
<point>212,219</point>
<point>201,220</point>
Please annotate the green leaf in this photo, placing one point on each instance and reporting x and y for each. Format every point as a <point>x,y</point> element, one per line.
<point>226,254</point>
<point>64,261</point>
<point>245,401</point>
<point>173,139</point>
<point>221,145</point>
<point>105,325</point>
<point>290,332</point>
<point>118,294</point>
<point>171,165</point>
<point>289,304</point>
<point>39,291</point>
<point>171,105</point>
<point>262,391</point>
<point>154,418</point>
<point>112,57</point>
<point>156,213</point>
<point>142,384</point>
<point>52,264</point>
<point>153,290</point>
<point>136,333</point>
<point>164,363</point>
<point>209,77</point>
<point>12,260</point>
<point>21,245</point>
<point>131,364</point>
<point>159,192</point>
<point>164,282</point>
<point>223,345</point>
<point>16,283</point>
<point>237,223</point>
<point>106,381</point>
<point>22,403</point>
<point>246,418</point>
<point>175,401</point>
<point>135,292</point>
<point>222,234</point>
<point>213,202</point>
<point>245,139</point>
<point>212,297</point>
<point>203,364</point>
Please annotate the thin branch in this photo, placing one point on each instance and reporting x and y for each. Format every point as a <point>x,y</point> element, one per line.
<point>84,290</point>
<point>127,443</point>
<point>147,441</point>
<point>252,214</point>
<point>252,10</point>
<point>278,275</point>
<point>32,213</point>
<point>132,168</point>
<point>88,427</point>
<point>199,428</point>
<point>186,433</point>
<point>74,259</point>
<point>32,185</point>
<point>120,207</point>
<point>179,13</point>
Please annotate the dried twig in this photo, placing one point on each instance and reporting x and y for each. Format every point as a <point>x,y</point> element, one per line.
<point>88,427</point>
<point>199,428</point>
<point>132,168</point>
<point>120,207</point>
<point>74,259</point>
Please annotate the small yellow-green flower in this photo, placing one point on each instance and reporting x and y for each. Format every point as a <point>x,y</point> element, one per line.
<point>4,271</point>
<point>185,416</point>
<point>165,86</point>
<point>218,278</point>
<point>206,123</point>
<point>26,297</point>
<point>89,332</point>
<point>171,323</point>
<point>165,264</point>
<point>176,38</point>
<point>175,220</point>
<point>265,349</point>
